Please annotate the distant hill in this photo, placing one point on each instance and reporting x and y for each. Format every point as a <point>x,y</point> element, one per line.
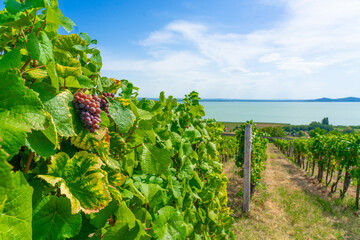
<point>347,99</point>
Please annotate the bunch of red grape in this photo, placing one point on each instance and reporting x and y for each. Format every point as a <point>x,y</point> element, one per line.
<point>104,103</point>
<point>88,108</point>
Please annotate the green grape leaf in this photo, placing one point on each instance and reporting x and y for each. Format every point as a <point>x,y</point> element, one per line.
<point>175,186</point>
<point>40,144</point>
<point>51,71</point>
<point>8,19</point>
<point>123,117</point>
<point>87,140</point>
<point>70,82</point>
<point>66,23</point>
<point>155,160</point>
<point>67,43</point>
<point>125,215</point>
<point>186,171</point>
<point>55,18</point>
<point>5,171</point>
<point>57,106</point>
<point>44,142</point>
<point>82,48</point>
<point>52,219</point>
<point>213,216</point>
<point>127,88</point>
<point>99,219</point>
<point>14,6</point>
<point>110,84</point>
<point>16,210</point>
<point>40,49</point>
<point>127,227</point>
<point>169,224</point>
<point>86,37</point>
<point>192,134</point>
<point>104,119</point>
<point>37,73</point>
<point>10,60</point>
<point>97,79</point>
<point>20,112</point>
<point>126,233</point>
<point>116,178</point>
<point>153,194</point>
<point>50,131</point>
<point>197,111</point>
<point>211,149</point>
<point>68,67</point>
<point>85,82</point>
<point>140,113</point>
<point>81,180</point>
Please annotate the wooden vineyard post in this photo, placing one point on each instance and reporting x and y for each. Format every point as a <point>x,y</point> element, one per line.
<point>247,169</point>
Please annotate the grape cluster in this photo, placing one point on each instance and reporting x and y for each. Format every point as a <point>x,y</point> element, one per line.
<point>88,108</point>
<point>104,103</point>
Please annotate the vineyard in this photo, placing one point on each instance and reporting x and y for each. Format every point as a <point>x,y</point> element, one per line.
<point>336,154</point>
<point>82,157</point>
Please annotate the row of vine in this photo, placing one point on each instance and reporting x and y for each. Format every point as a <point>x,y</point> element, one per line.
<point>335,154</point>
<point>258,153</point>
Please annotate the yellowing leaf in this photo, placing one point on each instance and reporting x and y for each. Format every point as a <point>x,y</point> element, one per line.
<point>81,180</point>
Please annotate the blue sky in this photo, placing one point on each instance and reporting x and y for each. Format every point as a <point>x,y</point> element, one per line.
<point>247,49</point>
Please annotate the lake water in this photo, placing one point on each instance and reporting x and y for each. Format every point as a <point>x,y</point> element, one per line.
<point>339,113</point>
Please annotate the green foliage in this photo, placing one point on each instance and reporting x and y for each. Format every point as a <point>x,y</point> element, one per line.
<point>317,131</point>
<point>151,171</point>
<point>274,131</point>
<point>258,152</point>
<point>52,219</point>
<point>227,147</point>
<point>330,152</point>
<point>16,208</point>
<point>325,121</point>
<point>324,125</point>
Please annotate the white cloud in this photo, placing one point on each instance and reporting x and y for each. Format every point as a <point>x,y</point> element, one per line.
<point>272,57</point>
<point>316,37</point>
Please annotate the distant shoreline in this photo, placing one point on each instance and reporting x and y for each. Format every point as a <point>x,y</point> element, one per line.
<point>348,99</point>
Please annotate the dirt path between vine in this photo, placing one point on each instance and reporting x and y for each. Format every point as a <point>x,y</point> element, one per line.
<point>289,206</point>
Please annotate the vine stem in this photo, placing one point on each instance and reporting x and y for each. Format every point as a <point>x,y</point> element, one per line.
<point>22,32</point>
<point>42,66</point>
<point>27,15</point>
<point>7,36</point>
<point>25,65</point>
<point>42,25</point>
<point>137,146</point>
<point>28,163</point>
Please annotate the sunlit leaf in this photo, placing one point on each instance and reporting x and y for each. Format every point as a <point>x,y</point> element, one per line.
<point>80,179</point>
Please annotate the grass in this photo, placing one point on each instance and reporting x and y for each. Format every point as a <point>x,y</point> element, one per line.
<point>286,207</point>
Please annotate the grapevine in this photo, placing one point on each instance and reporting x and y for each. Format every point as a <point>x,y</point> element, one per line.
<point>336,155</point>
<point>258,153</point>
<point>144,170</point>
